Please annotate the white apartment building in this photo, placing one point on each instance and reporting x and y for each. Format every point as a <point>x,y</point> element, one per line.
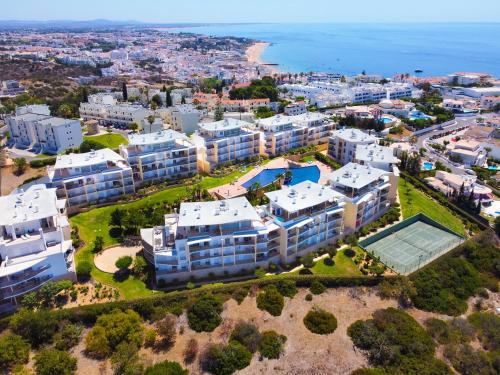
<point>281,134</point>
<point>470,152</point>
<point>380,157</point>
<point>184,118</point>
<point>92,177</point>
<point>39,109</point>
<point>160,156</point>
<point>317,125</point>
<point>343,142</point>
<point>225,141</point>
<point>369,193</point>
<point>294,109</point>
<point>104,109</point>
<point>35,243</point>
<point>309,215</point>
<point>44,133</point>
<point>210,238</point>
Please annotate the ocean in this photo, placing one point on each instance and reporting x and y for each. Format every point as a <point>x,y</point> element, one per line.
<point>386,49</point>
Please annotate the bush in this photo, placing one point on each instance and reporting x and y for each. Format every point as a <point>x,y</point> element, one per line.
<point>54,362</point>
<point>328,262</point>
<point>191,351</point>
<point>166,330</point>
<point>125,359</point>
<point>166,368</point>
<point>68,337</point>
<point>40,163</point>
<point>271,300</point>
<point>320,321</point>
<point>247,335</point>
<point>111,330</point>
<point>467,360</point>
<point>38,328</point>
<point>271,345</point>
<point>287,288</point>
<point>14,350</point>
<point>307,261</point>
<point>225,360</point>
<point>349,252</point>
<point>150,337</point>
<point>123,263</point>
<point>240,294</point>
<point>488,326</point>
<point>83,270</point>
<point>204,314</point>
<point>309,297</point>
<point>317,287</point>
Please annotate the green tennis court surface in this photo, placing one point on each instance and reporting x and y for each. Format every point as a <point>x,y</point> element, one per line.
<point>411,244</point>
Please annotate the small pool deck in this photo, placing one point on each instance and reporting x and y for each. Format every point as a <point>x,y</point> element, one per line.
<point>236,189</point>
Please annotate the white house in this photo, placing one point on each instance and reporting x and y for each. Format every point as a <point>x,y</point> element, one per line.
<point>343,142</point>
<point>281,134</point>
<point>380,157</point>
<point>35,243</point>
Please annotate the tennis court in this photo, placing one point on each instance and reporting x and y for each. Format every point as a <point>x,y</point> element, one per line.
<point>411,244</point>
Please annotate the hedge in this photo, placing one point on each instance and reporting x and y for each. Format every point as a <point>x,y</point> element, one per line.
<point>39,163</point>
<point>88,314</point>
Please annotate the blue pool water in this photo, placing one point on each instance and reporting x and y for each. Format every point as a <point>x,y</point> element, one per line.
<point>427,166</point>
<point>386,120</point>
<point>268,176</point>
<point>417,115</point>
<point>493,167</point>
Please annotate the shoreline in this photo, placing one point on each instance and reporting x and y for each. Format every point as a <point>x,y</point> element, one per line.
<point>254,55</point>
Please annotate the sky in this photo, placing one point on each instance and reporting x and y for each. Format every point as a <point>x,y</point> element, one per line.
<point>230,11</point>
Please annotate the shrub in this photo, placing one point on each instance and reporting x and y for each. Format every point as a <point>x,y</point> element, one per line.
<point>68,337</point>
<point>240,294</point>
<point>369,371</point>
<point>111,330</point>
<point>166,330</point>
<point>247,335</point>
<point>307,261</point>
<point>150,337</point>
<point>287,288</point>
<point>349,252</point>
<point>83,270</point>
<point>271,300</point>
<point>467,360</point>
<point>271,344</point>
<point>54,362</point>
<point>224,360</point>
<point>488,326</point>
<point>14,350</point>
<point>125,359</point>
<point>166,368</point>
<point>36,327</point>
<point>191,351</point>
<point>328,262</point>
<point>123,263</point>
<point>204,314</point>
<point>320,321</point>
<point>332,251</point>
<point>317,287</point>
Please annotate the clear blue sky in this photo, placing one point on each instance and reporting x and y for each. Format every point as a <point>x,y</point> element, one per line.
<point>171,11</point>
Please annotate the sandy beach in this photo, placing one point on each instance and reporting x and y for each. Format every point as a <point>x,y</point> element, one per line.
<point>254,55</point>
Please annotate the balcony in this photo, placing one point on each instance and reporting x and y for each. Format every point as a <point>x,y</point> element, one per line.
<point>22,276</point>
<point>24,287</point>
<point>205,256</point>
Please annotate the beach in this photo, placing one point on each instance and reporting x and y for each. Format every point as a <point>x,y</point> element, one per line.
<point>254,55</point>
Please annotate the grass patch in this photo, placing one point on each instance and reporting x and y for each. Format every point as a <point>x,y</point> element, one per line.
<point>96,223</point>
<point>344,266</point>
<point>414,201</point>
<point>110,140</point>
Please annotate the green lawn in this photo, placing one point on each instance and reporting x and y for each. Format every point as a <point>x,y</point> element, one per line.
<point>95,223</point>
<point>414,201</point>
<point>110,140</point>
<point>344,266</point>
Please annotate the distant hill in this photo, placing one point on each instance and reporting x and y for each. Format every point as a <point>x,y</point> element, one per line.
<point>88,24</point>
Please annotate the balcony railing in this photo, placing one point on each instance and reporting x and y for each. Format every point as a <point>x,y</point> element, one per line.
<point>22,276</point>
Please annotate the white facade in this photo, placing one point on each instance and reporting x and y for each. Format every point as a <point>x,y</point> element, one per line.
<point>343,142</point>
<point>281,134</point>
<point>380,157</point>
<point>92,177</point>
<point>225,141</point>
<point>35,243</point>
<point>295,109</point>
<point>369,192</point>
<point>185,118</point>
<point>39,109</point>
<point>104,109</point>
<point>317,125</point>
<point>44,133</point>
<point>160,156</point>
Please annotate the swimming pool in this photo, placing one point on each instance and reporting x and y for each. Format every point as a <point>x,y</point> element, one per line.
<point>386,120</point>
<point>418,115</point>
<point>300,174</point>
<point>493,167</point>
<point>427,166</point>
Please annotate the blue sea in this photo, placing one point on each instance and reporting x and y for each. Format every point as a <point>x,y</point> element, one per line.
<point>436,48</point>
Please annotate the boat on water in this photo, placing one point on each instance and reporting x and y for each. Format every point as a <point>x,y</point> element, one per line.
<point>419,71</point>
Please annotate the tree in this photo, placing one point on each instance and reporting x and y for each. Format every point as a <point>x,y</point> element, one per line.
<point>166,368</point>
<point>157,100</point>
<point>204,314</point>
<point>134,126</point>
<point>497,225</point>
<point>36,327</point>
<point>125,360</point>
<point>151,119</point>
<point>83,270</point>
<point>218,113</point>
<point>54,362</point>
<point>21,164</point>
<point>166,330</point>
<point>271,344</point>
<point>271,300</point>
<point>123,263</point>
<point>124,91</point>
<point>317,287</point>
<point>140,266</point>
<point>65,111</point>
<point>68,336</point>
<point>307,261</point>
<point>98,244</point>
<point>168,99</point>
<point>14,350</point>
<point>191,351</point>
